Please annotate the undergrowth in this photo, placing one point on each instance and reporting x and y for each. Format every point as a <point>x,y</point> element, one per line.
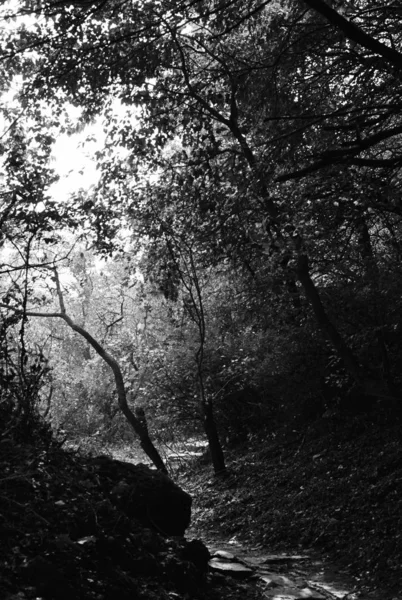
<point>334,487</point>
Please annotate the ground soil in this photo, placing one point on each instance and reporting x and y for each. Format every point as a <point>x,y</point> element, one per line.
<point>61,537</point>
<point>333,488</point>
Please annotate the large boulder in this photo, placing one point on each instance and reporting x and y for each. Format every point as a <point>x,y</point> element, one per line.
<point>145,494</point>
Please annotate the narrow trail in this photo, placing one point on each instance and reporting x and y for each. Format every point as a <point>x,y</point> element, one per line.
<point>280,576</point>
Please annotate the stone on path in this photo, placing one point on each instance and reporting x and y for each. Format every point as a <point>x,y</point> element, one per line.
<point>282,558</point>
<point>294,594</point>
<point>225,555</point>
<point>273,580</point>
<point>234,569</point>
<point>279,578</point>
<point>254,561</point>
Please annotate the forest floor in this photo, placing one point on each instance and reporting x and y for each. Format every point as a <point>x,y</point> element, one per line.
<point>331,493</point>
<point>333,490</point>
<point>62,538</point>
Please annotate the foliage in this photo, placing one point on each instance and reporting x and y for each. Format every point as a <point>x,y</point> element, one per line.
<point>258,144</point>
<point>24,375</point>
<point>66,535</point>
<point>241,251</point>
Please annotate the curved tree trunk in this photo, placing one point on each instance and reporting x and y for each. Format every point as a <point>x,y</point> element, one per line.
<point>138,425</point>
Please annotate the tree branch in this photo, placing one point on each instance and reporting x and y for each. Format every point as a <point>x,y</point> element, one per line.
<point>355,33</point>
<point>348,156</point>
<point>145,441</point>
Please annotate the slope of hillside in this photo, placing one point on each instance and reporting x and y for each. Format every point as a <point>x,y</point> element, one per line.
<point>63,538</point>
<point>335,488</point>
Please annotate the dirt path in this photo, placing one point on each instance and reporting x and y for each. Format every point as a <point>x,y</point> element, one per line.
<point>281,576</point>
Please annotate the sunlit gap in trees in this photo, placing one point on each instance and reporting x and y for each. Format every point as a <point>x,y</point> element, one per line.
<point>77,153</point>
<point>74,158</point>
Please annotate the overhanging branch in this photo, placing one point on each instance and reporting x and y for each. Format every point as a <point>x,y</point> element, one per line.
<point>136,424</point>
<point>355,33</point>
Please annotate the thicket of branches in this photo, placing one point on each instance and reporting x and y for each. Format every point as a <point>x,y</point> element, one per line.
<point>248,200</point>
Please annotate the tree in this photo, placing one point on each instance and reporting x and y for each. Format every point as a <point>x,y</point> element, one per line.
<point>137,423</point>
<point>276,126</point>
<point>184,262</point>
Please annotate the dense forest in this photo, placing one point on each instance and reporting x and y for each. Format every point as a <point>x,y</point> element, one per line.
<point>231,280</point>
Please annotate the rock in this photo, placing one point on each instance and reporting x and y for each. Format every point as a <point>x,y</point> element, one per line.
<point>225,555</point>
<point>197,553</point>
<point>269,580</point>
<point>309,593</point>
<point>282,558</point>
<point>149,540</point>
<point>294,594</point>
<point>234,569</point>
<point>273,580</point>
<point>146,495</point>
<point>146,565</point>
<point>254,561</point>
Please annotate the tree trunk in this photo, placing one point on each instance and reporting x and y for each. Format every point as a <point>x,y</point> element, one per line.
<point>138,424</point>
<point>217,456</point>
<point>146,442</point>
<point>152,453</point>
<point>371,276</point>
<point>371,387</point>
<point>348,358</point>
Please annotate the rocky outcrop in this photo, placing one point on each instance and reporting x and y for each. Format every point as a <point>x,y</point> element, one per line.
<point>145,494</point>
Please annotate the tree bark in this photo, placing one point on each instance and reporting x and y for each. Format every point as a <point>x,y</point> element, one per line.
<point>348,358</point>
<point>217,456</point>
<point>370,386</point>
<point>355,33</point>
<point>371,275</point>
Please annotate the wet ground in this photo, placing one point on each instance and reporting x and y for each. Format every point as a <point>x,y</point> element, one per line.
<point>282,576</point>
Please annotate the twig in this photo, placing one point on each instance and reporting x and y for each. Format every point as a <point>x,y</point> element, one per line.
<point>25,507</point>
